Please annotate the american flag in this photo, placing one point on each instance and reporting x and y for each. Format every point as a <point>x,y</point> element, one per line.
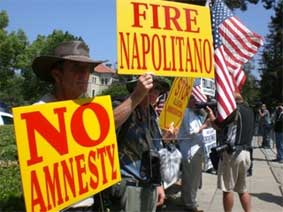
<point>160,102</point>
<point>197,92</point>
<point>234,45</point>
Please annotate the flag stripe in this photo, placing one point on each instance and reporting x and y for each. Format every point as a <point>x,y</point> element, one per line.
<point>246,42</point>
<point>239,76</point>
<point>245,35</point>
<point>222,68</point>
<point>224,87</point>
<point>198,94</point>
<point>235,46</point>
<point>253,38</point>
<point>233,55</point>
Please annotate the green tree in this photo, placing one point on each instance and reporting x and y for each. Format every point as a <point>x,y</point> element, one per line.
<point>272,60</point>
<point>116,90</point>
<point>4,19</point>
<point>250,90</point>
<point>12,46</point>
<point>18,84</point>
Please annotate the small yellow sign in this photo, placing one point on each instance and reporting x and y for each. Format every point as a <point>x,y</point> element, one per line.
<point>176,102</point>
<point>67,151</point>
<point>166,38</point>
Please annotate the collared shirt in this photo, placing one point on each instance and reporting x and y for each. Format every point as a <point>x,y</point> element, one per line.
<point>46,98</point>
<point>138,134</point>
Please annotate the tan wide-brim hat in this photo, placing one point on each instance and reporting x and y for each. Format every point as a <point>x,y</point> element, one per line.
<point>70,50</point>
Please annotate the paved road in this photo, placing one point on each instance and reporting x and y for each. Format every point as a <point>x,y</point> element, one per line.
<point>265,187</point>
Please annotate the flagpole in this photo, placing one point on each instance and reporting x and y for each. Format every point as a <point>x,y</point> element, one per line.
<point>207,3</point>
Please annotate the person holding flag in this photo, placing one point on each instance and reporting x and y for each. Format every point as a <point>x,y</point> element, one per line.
<point>235,134</point>
<point>234,45</point>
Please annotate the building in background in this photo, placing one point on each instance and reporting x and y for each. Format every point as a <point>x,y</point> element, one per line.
<point>100,80</point>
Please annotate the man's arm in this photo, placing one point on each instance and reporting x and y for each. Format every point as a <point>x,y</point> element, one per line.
<point>160,195</point>
<point>261,114</point>
<point>205,125</point>
<point>123,111</point>
<point>214,121</point>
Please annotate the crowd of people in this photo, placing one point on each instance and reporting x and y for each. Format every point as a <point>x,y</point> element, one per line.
<point>269,127</point>
<point>140,138</point>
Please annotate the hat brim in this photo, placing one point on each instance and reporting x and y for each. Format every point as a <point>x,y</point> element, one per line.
<point>159,83</point>
<point>42,65</point>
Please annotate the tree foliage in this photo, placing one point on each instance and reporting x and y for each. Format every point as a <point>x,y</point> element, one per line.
<point>12,46</point>
<point>250,90</point>
<point>18,84</point>
<point>4,19</point>
<point>272,59</point>
<point>116,90</point>
<point>11,194</point>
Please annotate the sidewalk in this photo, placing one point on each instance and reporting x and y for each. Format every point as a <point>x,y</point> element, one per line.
<point>265,187</point>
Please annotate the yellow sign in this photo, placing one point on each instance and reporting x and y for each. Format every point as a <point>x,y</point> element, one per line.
<point>166,38</point>
<point>67,151</point>
<point>176,103</point>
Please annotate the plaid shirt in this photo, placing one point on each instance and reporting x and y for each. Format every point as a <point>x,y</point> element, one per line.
<point>134,137</point>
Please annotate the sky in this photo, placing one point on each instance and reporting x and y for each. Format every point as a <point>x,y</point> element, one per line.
<point>94,21</point>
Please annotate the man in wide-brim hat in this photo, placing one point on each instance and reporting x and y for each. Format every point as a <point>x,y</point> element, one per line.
<point>68,69</point>
<point>75,51</point>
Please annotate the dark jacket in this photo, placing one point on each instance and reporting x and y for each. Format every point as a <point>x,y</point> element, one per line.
<point>278,124</point>
<point>243,117</point>
<point>245,125</point>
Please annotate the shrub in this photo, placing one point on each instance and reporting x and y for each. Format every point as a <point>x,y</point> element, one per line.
<point>11,196</point>
<point>8,148</point>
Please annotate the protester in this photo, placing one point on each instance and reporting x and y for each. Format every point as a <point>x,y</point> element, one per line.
<point>236,135</point>
<point>139,140</point>
<point>191,145</point>
<point>265,123</point>
<point>170,156</point>
<point>278,129</point>
<point>68,70</point>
